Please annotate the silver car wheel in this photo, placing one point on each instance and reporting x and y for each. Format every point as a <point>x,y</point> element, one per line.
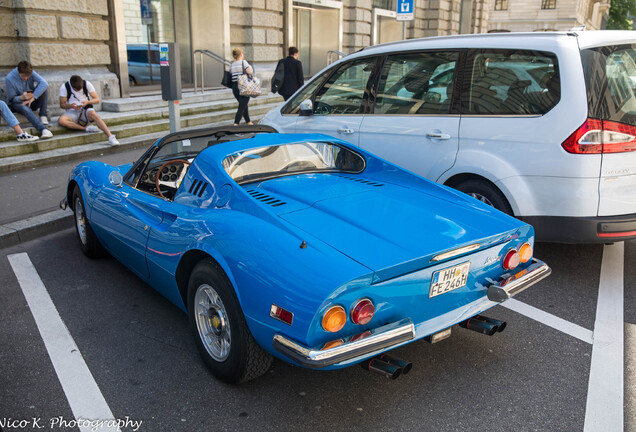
<point>481,198</point>
<point>212,322</point>
<point>80,220</point>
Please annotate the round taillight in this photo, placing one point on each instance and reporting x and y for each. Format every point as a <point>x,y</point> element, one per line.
<point>334,319</point>
<point>525,252</point>
<point>511,259</point>
<point>362,312</point>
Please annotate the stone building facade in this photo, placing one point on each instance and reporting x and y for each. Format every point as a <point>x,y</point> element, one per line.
<point>547,15</point>
<point>94,38</point>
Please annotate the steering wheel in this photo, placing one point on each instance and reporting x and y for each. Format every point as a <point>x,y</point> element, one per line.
<point>174,184</point>
<point>322,108</point>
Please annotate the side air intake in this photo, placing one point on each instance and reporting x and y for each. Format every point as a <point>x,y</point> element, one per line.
<point>197,187</point>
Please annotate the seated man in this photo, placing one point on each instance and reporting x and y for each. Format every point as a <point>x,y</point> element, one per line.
<point>6,114</point>
<point>77,97</point>
<point>27,92</point>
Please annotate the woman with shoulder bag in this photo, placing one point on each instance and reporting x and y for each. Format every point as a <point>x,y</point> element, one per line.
<point>240,67</point>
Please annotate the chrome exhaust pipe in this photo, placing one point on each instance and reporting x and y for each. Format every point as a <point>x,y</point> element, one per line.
<point>501,325</point>
<point>479,326</point>
<point>406,366</point>
<point>382,368</point>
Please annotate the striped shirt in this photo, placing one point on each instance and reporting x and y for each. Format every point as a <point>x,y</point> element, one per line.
<point>238,68</point>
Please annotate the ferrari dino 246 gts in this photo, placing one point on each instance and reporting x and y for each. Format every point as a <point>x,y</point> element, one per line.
<point>302,247</point>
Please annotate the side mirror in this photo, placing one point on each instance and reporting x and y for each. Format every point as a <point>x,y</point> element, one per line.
<point>116,179</point>
<point>306,107</point>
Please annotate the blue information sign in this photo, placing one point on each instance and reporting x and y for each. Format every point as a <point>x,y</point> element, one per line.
<point>146,11</point>
<point>405,10</point>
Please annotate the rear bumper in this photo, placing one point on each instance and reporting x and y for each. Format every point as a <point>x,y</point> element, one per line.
<point>378,339</point>
<point>509,287</point>
<point>602,229</point>
<point>358,347</point>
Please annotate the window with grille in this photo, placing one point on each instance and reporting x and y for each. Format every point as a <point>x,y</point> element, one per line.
<point>548,4</point>
<point>501,4</point>
<point>384,4</point>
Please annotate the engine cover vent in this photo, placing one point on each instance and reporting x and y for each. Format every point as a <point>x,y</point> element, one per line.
<point>269,200</point>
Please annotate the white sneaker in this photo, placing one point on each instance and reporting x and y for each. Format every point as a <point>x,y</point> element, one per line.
<point>92,128</point>
<point>112,140</point>
<point>44,120</point>
<point>46,134</point>
<point>25,137</point>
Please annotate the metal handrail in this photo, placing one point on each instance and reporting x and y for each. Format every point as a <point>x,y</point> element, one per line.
<point>211,55</point>
<point>330,55</point>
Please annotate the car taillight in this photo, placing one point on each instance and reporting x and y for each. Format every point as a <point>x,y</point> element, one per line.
<point>601,136</point>
<point>334,319</point>
<point>511,259</point>
<point>362,312</point>
<point>525,252</point>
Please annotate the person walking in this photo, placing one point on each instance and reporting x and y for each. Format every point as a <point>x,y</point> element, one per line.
<point>239,67</point>
<point>293,78</point>
<point>27,92</point>
<point>77,97</point>
<point>6,114</point>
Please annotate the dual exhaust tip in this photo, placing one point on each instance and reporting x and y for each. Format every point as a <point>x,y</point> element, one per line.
<point>484,325</point>
<point>387,366</point>
<point>392,367</point>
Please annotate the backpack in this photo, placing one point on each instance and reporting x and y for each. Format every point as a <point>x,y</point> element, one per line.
<point>279,76</point>
<point>68,92</point>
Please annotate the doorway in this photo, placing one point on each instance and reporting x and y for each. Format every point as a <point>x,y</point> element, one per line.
<point>315,31</point>
<point>385,27</point>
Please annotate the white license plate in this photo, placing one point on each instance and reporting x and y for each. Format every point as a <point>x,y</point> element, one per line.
<point>449,279</point>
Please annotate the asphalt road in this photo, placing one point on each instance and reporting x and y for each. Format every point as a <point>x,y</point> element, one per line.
<point>137,345</point>
<point>39,190</point>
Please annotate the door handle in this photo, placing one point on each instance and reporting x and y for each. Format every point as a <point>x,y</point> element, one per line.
<point>438,135</point>
<point>346,131</point>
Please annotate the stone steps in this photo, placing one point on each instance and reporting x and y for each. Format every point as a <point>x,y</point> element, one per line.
<point>135,110</point>
<point>133,129</point>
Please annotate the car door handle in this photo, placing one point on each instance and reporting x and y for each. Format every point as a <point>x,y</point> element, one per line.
<point>346,131</point>
<point>438,135</point>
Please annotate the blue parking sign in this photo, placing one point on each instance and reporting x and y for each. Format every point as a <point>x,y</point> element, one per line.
<point>405,10</point>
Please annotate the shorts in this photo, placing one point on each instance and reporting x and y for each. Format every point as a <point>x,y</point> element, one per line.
<point>74,114</point>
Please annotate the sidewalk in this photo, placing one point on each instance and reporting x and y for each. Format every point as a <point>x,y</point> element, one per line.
<point>33,183</point>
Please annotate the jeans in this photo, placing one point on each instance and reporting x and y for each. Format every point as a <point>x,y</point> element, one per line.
<point>40,103</point>
<point>242,110</point>
<point>7,115</point>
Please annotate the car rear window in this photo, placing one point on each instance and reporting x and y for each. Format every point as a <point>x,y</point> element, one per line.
<point>290,159</point>
<point>512,82</point>
<point>610,80</point>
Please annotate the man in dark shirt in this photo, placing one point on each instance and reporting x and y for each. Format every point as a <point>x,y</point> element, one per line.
<point>293,78</point>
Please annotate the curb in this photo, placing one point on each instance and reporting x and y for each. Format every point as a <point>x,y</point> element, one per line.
<point>31,228</point>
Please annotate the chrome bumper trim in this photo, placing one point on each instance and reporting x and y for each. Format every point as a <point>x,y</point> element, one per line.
<point>507,288</point>
<point>381,338</point>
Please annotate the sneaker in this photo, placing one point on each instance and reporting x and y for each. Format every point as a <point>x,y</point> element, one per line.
<point>46,134</point>
<point>25,137</point>
<point>92,128</point>
<point>44,120</point>
<point>112,140</point>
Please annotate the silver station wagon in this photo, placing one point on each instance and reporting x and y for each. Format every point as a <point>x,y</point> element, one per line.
<point>541,126</point>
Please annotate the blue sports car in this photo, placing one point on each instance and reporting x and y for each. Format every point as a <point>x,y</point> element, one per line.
<point>301,246</point>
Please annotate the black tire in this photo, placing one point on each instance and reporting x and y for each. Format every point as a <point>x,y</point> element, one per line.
<point>231,353</point>
<point>89,243</point>
<point>486,193</point>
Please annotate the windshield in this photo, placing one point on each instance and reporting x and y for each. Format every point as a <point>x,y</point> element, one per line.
<point>296,158</point>
<point>610,78</point>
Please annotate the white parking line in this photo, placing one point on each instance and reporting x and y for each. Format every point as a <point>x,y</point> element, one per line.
<point>550,320</point>
<point>604,409</point>
<point>630,377</point>
<point>81,390</point>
